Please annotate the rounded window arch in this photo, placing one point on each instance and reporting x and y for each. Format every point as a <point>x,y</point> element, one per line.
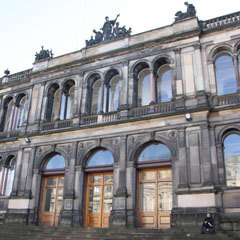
<point>9,113</point>
<point>53,103</point>
<point>164,84</point>
<point>225,74</point>
<point>67,100</point>
<point>55,161</point>
<point>231,145</point>
<point>101,157</point>
<point>154,152</point>
<point>7,175</point>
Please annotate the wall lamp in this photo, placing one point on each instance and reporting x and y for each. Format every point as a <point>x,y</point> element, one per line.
<point>188,117</point>
<point>27,140</point>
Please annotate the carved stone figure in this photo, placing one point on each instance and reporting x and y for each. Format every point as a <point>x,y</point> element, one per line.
<point>107,27</point>
<point>43,54</point>
<point>110,30</point>
<point>191,12</point>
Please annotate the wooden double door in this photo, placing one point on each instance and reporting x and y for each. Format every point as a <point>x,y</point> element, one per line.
<point>52,200</point>
<point>99,199</point>
<point>154,198</point>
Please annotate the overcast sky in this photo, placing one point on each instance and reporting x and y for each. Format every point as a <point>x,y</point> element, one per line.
<point>64,25</point>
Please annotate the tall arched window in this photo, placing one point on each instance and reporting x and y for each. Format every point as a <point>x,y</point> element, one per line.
<point>164,84</point>
<point>67,101</point>
<point>7,175</point>
<point>232,159</point>
<point>225,75</point>
<point>15,113</point>
<point>96,97</point>
<point>53,103</point>
<point>144,87</point>
<point>111,91</point>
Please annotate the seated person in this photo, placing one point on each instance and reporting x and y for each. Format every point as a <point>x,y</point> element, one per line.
<point>208,223</point>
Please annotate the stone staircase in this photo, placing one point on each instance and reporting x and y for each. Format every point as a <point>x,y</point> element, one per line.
<point>25,232</point>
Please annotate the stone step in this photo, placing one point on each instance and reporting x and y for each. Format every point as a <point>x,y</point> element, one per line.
<point>19,232</point>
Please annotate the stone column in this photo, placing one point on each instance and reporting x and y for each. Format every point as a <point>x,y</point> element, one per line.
<point>67,212</point>
<point>79,193</point>
<point>153,88</point>
<point>118,215</point>
<point>198,76</point>
<point>123,87</point>
<point>221,164</point>
<point>17,176</point>
<point>206,157</point>
<point>132,193</point>
<point>178,87</point>
<point>36,187</point>
<point>78,95</point>
<point>183,176</point>
<point>59,105</point>
<point>44,107</point>
<point>102,99</point>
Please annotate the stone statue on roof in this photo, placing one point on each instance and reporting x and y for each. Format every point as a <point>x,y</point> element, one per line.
<point>191,12</point>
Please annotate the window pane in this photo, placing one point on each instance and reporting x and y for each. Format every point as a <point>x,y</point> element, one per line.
<point>155,152</point>
<point>164,84</point>
<point>225,75</point>
<point>9,116</point>
<point>63,103</point>
<point>148,175</point>
<point>10,178</point>
<point>96,179</point>
<point>50,200</point>
<point>165,175</point>
<point>107,201</point>
<point>96,96</point>
<point>102,157</point>
<point>232,159</point>
<point>20,116</point>
<point>144,88</point>
<point>51,181</point>
<point>114,94</point>
<point>59,199</point>
<point>148,197</point>
<point>57,161</point>
<point>108,179</point>
<point>94,199</point>
<point>164,196</point>
<point>70,103</point>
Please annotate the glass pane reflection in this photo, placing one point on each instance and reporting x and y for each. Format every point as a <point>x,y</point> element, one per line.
<point>94,199</point>
<point>232,159</point>
<point>148,197</point>
<point>51,181</point>
<point>108,179</point>
<point>101,157</point>
<point>56,162</point>
<point>50,199</point>
<point>165,175</point>
<point>107,204</point>
<point>60,199</point>
<point>148,175</point>
<point>164,196</point>
<point>155,152</point>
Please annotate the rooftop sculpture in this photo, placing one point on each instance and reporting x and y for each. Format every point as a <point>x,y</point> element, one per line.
<point>43,54</point>
<point>109,31</point>
<point>191,12</point>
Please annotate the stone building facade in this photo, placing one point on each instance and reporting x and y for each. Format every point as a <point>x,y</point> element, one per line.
<point>137,131</point>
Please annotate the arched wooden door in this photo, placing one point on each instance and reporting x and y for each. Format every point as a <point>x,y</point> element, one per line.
<point>99,199</point>
<point>52,200</point>
<point>155,198</point>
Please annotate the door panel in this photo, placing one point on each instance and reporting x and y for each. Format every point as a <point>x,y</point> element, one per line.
<point>99,199</point>
<point>155,198</point>
<point>52,200</point>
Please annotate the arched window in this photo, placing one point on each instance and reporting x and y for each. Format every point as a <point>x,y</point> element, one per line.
<point>144,87</point>
<point>225,75</point>
<point>7,175</point>
<point>154,152</point>
<point>96,97</point>
<point>55,162</point>
<point>232,159</point>
<point>164,84</point>
<point>67,101</point>
<point>53,103</point>
<point>15,114</point>
<point>100,158</point>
